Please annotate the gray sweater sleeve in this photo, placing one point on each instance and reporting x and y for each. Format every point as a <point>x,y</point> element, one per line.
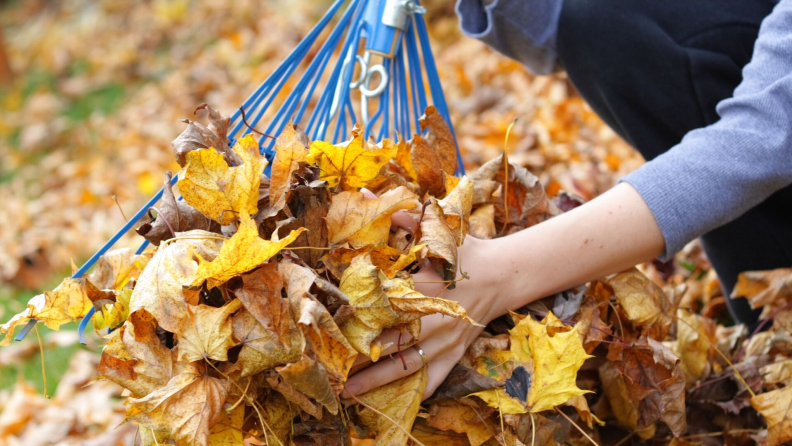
<point>719,172</point>
<point>524,30</point>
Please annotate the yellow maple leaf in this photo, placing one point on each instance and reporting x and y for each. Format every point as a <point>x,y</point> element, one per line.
<point>400,401</point>
<point>411,304</point>
<point>499,399</point>
<point>352,165</point>
<point>372,311</point>
<point>220,192</point>
<point>556,361</point>
<point>362,221</point>
<point>243,252</point>
<point>208,333</point>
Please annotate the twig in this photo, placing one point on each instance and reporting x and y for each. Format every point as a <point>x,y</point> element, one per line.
<point>162,216</point>
<point>409,435</point>
<point>577,427</point>
<point>244,120</point>
<point>119,208</point>
<point>329,288</point>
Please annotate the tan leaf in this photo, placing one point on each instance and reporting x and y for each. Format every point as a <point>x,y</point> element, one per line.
<point>361,221</point>
<point>455,416</point>
<point>410,304</point>
<point>173,267</point>
<point>220,192</point>
<point>440,240</point>
<point>207,333</point>
<point>482,222</point>
<point>776,407</point>
<point>115,268</point>
<point>644,302</point>
<point>263,348</point>
<point>188,406</point>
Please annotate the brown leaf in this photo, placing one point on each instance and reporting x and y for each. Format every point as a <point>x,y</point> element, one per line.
<point>654,382</point>
<point>460,382</point>
<point>482,222</point>
<point>328,344</point>
<point>293,395</point>
<point>425,161</point>
<point>309,205</point>
<point>196,136</point>
<point>174,215</point>
<point>441,139</point>
<point>768,289</point>
<point>310,378</point>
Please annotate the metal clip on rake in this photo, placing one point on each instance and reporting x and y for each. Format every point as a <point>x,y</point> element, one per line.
<point>393,38</point>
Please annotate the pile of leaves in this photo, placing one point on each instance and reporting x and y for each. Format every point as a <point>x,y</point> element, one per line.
<point>82,124</point>
<point>262,294</point>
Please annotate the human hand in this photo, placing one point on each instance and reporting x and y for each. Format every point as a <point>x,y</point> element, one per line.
<point>443,339</point>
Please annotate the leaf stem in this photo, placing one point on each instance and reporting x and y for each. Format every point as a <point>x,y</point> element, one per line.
<point>43,369</point>
<point>576,426</point>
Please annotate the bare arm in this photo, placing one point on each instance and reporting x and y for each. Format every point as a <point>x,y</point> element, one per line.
<point>609,234</point>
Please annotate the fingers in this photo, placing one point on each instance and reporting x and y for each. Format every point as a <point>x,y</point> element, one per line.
<point>384,372</point>
<point>404,219</point>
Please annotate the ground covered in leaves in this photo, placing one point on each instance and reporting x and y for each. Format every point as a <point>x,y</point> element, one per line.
<point>244,322</point>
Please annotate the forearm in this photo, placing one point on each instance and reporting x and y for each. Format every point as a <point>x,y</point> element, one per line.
<point>611,233</point>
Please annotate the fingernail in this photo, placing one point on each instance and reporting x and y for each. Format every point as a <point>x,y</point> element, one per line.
<point>353,388</point>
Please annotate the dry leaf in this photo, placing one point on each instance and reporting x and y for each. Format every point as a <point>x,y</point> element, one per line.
<point>244,251</point>
<point>361,221</point>
<point>400,401</point>
<point>159,289</point>
<point>207,333</point>
<point>352,165</point>
<point>218,191</point>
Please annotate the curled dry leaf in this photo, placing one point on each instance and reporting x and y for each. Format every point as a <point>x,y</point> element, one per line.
<point>208,332</point>
<point>197,136</point>
<point>291,148</point>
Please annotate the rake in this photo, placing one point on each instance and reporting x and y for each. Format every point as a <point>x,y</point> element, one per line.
<point>383,76</point>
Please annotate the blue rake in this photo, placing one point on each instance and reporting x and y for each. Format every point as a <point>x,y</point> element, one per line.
<point>393,40</point>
